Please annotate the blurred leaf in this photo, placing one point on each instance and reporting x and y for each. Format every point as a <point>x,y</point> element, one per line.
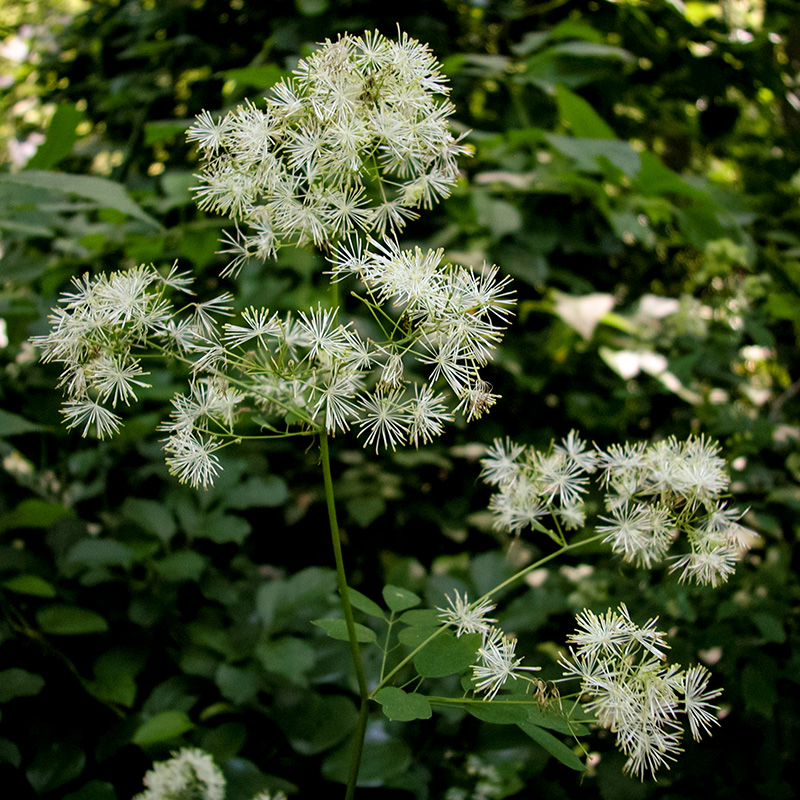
<point>14,425</point>
<point>33,513</point>
<point>259,492</point>
<point>16,682</point>
<point>314,723</point>
<point>499,216</point>
<point>180,567</point>
<point>9,753</point>
<point>588,152</point>
<point>258,77</point>
<point>237,684</point>
<point>582,119</point>
<point>70,620</point>
<point>403,706</point>
<point>161,727</point>
<point>60,138</point>
<point>770,627</point>
<point>150,516</point>
<point>592,50</point>
<point>289,656</point>
<point>115,672</point>
<point>94,790</point>
<point>106,193</point>
<point>54,765</point>
<point>100,552</point>
<point>382,759</point>
<point>160,130</point>
<point>30,584</point>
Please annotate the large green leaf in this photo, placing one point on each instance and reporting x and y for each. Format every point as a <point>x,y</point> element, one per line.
<point>447,654</point>
<point>500,712</point>
<point>30,584</point>
<point>399,599</point>
<point>54,765</point>
<point>314,723</point>
<point>16,682</point>
<point>582,119</point>
<point>33,513</point>
<point>14,425</point>
<point>60,138</point>
<point>403,706</point>
<point>554,746</point>
<point>70,620</point>
<point>363,603</point>
<point>382,759</point>
<point>104,193</point>
<point>161,727</point>
<point>588,153</point>
<point>337,629</point>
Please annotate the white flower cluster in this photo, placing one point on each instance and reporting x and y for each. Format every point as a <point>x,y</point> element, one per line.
<point>351,144</point>
<point>307,370</point>
<point>634,692</point>
<point>653,492</point>
<point>356,140</point>
<point>94,335</point>
<point>190,774</point>
<point>497,661</point>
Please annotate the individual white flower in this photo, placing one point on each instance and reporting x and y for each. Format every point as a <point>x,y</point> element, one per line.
<point>630,532</point>
<point>578,451</point>
<point>384,419</point>
<point>209,133</point>
<point>497,663</point>
<point>90,413</point>
<point>190,774</point>
<point>707,566</point>
<point>697,699</point>
<point>258,324</point>
<point>428,412</point>
<point>467,617</point>
<point>560,477</point>
<point>192,459</point>
<point>614,632</point>
<point>517,505</point>
<point>114,375</point>
<point>501,465</point>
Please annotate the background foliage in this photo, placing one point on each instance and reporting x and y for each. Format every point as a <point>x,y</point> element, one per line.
<point>636,171</point>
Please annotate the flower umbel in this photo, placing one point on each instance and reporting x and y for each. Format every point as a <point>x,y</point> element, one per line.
<point>633,691</point>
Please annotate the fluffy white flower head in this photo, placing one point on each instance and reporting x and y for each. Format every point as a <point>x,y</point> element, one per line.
<point>190,774</point>
<point>355,141</point>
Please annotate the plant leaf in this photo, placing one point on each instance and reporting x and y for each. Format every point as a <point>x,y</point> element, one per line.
<point>403,706</point>
<point>399,599</point>
<point>554,746</point>
<point>446,654</point>
<point>337,629</point>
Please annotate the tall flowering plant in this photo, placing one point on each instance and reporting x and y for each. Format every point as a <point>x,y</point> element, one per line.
<point>341,156</point>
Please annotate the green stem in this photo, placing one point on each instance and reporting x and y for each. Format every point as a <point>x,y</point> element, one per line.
<point>523,572</point>
<point>386,678</point>
<point>347,610</point>
<point>358,748</point>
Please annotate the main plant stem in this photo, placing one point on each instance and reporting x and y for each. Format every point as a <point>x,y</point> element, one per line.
<point>347,610</point>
